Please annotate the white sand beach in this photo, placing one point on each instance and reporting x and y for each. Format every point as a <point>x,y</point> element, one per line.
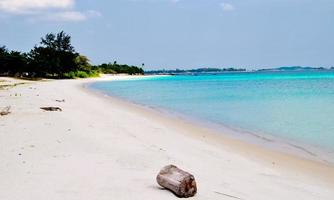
<point>102,148</point>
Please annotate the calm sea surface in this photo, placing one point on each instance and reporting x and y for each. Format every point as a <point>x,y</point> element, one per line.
<point>294,106</point>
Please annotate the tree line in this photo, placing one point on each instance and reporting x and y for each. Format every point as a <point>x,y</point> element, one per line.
<point>55,57</point>
<point>196,71</point>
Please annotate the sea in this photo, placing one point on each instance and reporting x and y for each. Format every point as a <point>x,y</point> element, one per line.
<point>288,111</point>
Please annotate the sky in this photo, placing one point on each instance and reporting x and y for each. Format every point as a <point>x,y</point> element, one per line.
<point>169,34</point>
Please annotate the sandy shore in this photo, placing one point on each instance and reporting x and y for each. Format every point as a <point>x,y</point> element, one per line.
<point>102,148</point>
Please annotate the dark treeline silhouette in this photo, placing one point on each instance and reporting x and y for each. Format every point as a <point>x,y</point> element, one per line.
<point>119,69</point>
<point>55,57</point>
<point>294,68</point>
<point>196,71</point>
<point>12,62</point>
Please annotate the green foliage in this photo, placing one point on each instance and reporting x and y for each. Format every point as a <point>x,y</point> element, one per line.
<point>59,42</point>
<point>84,69</point>
<point>81,74</point>
<point>55,57</point>
<point>3,51</point>
<point>82,63</point>
<point>119,69</point>
<point>12,62</point>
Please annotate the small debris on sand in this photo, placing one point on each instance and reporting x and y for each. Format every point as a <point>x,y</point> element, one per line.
<point>5,111</point>
<point>60,101</point>
<point>8,86</point>
<point>227,195</point>
<point>51,109</point>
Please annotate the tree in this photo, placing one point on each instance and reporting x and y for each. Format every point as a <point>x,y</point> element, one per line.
<point>82,63</point>
<point>12,63</point>
<point>59,42</point>
<point>18,62</point>
<point>116,68</point>
<point>3,51</point>
<point>3,59</point>
<point>55,55</point>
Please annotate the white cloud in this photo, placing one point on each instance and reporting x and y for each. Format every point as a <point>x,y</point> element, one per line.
<point>30,6</point>
<point>63,16</point>
<point>46,10</point>
<point>227,7</point>
<point>73,16</point>
<point>70,16</point>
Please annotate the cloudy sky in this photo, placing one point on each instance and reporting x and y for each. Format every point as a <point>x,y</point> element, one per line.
<point>180,33</point>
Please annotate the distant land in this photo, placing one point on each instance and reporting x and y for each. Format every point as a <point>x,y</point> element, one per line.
<point>195,71</point>
<point>231,69</point>
<point>296,68</point>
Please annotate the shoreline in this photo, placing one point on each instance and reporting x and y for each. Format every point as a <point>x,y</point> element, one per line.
<point>270,142</point>
<point>101,147</point>
<point>263,153</point>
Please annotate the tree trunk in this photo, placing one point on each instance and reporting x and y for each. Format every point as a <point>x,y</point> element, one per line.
<point>181,183</point>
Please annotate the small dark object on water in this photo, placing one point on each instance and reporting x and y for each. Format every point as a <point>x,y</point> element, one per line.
<point>181,183</point>
<point>51,109</point>
<point>5,111</point>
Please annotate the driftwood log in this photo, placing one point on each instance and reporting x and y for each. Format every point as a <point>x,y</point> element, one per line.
<point>181,183</point>
<point>51,109</point>
<point>5,111</point>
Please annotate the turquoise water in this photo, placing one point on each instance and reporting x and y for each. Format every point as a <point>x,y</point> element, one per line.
<point>298,106</point>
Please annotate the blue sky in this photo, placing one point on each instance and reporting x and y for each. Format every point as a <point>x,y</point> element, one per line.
<point>180,33</point>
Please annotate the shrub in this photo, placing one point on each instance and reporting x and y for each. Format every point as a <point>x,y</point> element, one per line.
<point>81,74</point>
<point>69,75</point>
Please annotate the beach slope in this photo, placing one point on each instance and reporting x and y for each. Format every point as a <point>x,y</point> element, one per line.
<point>102,148</point>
